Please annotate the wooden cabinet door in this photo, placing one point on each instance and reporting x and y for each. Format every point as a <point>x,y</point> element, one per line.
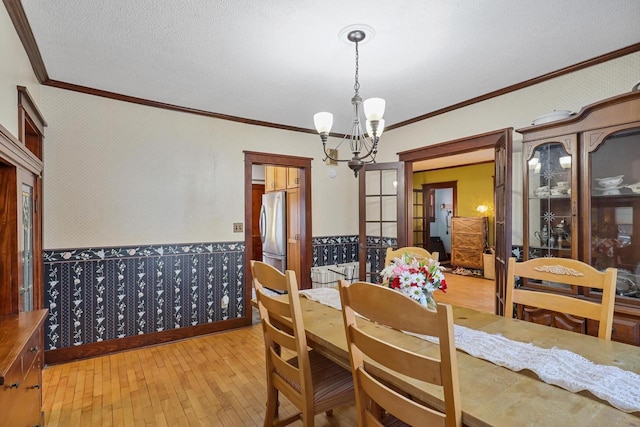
<point>281,178</point>
<point>275,178</point>
<point>293,180</point>
<point>293,231</point>
<point>269,178</point>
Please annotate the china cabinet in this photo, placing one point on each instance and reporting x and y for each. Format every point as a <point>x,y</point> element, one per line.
<point>581,201</point>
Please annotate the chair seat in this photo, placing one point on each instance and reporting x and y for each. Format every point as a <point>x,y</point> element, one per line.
<point>332,384</point>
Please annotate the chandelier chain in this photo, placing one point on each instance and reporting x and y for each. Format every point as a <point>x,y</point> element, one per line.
<point>356,85</point>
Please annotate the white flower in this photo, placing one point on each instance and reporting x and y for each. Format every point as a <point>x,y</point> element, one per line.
<point>406,278</point>
<point>419,279</point>
<point>416,293</point>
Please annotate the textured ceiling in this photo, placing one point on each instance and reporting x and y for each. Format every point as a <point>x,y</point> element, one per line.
<point>281,61</point>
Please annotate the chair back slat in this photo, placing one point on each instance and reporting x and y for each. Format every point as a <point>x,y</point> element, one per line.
<point>373,348</point>
<point>280,337</point>
<point>270,277</point>
<point>375,306</point>
<point>285,370</point>
<point>277,306</point>
<point>568,272</point>
<point>418,253</point>
<point>411,364</point>
<point>412,412</point>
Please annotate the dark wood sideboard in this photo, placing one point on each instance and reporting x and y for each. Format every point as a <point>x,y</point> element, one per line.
<point>21,361</point>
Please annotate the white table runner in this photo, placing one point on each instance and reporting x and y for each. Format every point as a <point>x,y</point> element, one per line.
<point>555,366</point>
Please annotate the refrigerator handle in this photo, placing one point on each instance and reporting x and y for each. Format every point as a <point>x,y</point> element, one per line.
<point>263,225</point>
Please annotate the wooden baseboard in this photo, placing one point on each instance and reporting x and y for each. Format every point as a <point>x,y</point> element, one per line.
<point>69,354</point>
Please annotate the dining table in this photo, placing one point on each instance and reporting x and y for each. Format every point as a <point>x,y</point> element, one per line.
<point>491,395</point>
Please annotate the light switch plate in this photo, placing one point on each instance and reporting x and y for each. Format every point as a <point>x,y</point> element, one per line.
<point>237,227</point>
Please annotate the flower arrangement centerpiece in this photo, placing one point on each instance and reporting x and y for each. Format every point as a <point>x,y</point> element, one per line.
<point>416,278</point>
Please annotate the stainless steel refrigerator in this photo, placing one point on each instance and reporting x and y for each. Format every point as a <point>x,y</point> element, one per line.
<point>273,229</point>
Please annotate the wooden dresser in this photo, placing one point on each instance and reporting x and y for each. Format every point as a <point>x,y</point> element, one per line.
<point>21,360</point>
<point>468,241</point>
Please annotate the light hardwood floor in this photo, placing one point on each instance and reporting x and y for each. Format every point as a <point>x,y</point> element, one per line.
<point>213,380</point>
<point>469,291</point>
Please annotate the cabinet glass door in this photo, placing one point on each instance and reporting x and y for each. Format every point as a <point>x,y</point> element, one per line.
<point>615,208</point>
<point>549,200</point>
<point>26,248</point>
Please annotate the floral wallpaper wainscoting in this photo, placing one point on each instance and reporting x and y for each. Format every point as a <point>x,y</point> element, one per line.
<point>333,250</point>
<point>99,294</point>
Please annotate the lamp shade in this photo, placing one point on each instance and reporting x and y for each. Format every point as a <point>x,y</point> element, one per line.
<point>374,108</point>
<point>323,121</point>
<point>378,131</point>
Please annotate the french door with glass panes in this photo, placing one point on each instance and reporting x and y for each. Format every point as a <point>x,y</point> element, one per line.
<point>383,215</point>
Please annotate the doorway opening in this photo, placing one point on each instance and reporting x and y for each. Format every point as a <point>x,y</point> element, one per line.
<point>301,238</point>
<point>496,146</point>
<point>443,197</point>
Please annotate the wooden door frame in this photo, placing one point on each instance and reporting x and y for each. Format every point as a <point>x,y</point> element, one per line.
<point>437,186</point>
<point>489,140</point>
<point>306,248</point>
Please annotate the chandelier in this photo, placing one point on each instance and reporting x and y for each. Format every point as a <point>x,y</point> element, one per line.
<point>363,147</point>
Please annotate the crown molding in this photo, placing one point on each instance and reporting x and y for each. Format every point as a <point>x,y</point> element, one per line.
<point>21,24</point>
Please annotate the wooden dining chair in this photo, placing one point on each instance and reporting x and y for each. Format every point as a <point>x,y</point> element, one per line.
<point>419,253</point>
<point>310,381</point>
<point>569,272</point>
<point>377,402</point>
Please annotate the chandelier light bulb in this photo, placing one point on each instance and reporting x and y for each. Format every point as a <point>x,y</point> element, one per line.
<point>374,108</point>
<point>379,130</point>
<point>323,122</point>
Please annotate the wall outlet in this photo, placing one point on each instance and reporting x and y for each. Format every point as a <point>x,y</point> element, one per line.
<point>237,227</point>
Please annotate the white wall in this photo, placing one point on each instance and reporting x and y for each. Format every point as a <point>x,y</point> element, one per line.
<point>118,173</point>
<point>15,70</point>
<point>517,109</point>
<point>124,174</point>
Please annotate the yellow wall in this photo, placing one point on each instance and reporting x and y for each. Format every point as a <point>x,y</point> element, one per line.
<point>474,187</point>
